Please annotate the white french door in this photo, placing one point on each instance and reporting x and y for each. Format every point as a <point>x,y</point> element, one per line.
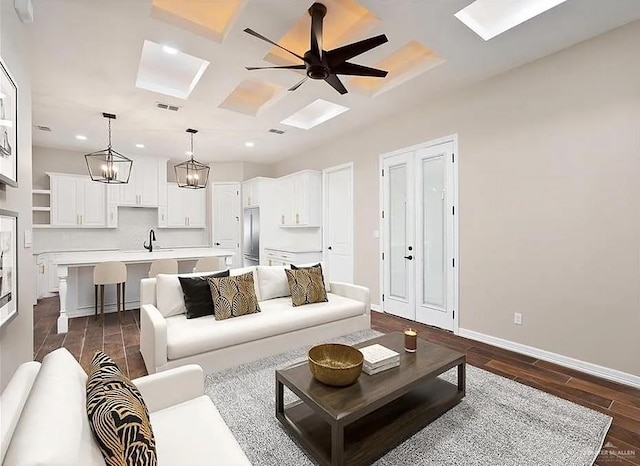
<point>398,233</point>
<point>338,222</point>
<point>423,268</point>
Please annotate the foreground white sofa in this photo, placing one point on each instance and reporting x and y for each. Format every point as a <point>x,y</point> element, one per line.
<point>44,419</point>
<point>168,339</point>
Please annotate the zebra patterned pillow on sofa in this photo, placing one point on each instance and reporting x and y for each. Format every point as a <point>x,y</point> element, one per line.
<point>306,286</point>
<point>233,296</point>
<point>118,416</point>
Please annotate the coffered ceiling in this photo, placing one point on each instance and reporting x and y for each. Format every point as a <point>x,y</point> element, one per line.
<point>87,56</point>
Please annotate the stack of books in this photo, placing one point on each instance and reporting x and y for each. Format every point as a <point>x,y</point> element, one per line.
<point>378,358</point>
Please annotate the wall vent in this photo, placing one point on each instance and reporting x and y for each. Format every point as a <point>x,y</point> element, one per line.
<point>43,128</point>
<point>276,131</point>
<point>163,106</point>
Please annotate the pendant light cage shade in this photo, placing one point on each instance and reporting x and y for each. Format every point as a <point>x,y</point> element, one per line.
<point>192,174</point>
<point>108,165</point>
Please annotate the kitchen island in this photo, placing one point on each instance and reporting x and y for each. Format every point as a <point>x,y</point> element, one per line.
<point>75,272</point>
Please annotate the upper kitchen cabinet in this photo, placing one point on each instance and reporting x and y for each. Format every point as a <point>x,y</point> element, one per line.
<point>255,189</point>
<point>143,185</point>
<point>300,199</point>
<point>77,202</point>
<point>185,208</point>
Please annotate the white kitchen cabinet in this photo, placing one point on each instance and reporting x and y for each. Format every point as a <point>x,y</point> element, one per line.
<point>186,208</point>
<point>254,190</point>
<point>142,188</point>
<point>77,202</point>
<point>285,257</point>
<point>300,199</point>
<point>47,280</point>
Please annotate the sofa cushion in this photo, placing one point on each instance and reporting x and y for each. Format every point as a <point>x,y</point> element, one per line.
<point>197,295</point>
<point>54,428</point>
<point>272,282</point>
<point>206,441</point>
<point>169,295</point>
<point>188,337</point>
<point>306,286</point>
<point>233,296</point>
<point>325,278</point>
<point>118,416</point>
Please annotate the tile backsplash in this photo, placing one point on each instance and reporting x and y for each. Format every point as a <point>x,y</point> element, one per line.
<point>133,230</point>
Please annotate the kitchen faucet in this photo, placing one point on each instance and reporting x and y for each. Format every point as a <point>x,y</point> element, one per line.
<point>152,238</point>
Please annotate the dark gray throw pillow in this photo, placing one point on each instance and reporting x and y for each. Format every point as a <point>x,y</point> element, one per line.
<point>197,294</point>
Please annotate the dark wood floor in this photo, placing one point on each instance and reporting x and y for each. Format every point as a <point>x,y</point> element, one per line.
<point>121,341</point>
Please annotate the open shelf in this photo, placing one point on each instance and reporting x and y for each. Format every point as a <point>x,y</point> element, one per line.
<point>46,192</point>
<point>41,209</point>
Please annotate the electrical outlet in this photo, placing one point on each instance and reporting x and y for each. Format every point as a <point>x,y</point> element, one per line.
<point>517,318</point>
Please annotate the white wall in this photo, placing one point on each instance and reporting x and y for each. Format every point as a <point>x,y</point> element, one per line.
<point>16,338</point>
<point>549,198</point>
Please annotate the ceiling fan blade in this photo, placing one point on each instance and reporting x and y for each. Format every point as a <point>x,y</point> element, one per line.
<point>260,36</point>
<point>317,12</point>
<point>291,67</point>
<point>340,55</point>
<point>358,70</point>
<point>293,88</point>
<point>336,83</point>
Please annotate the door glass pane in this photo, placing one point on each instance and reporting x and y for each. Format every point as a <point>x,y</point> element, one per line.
<point>398,230</point>
<point>433,232</point>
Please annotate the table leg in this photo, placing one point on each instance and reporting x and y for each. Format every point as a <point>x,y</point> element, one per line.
<point>462,377</point>
<point>337,445</point>
<point>63,320</point>
<point>279,398</point>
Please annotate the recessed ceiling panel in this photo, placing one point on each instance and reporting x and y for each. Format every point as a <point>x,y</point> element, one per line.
<point>315,113</point>
<point>168,71</point>
<point>250,95</point>
<point>405,63</point>
<point>346,20</point>
<point>208,18</point>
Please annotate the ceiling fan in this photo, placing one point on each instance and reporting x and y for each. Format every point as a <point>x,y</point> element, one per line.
<point>327,64</point>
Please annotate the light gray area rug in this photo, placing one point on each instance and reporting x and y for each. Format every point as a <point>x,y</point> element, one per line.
<point>499,422</point>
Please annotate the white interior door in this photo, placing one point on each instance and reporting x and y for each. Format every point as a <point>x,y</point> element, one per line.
<point>338,223</point>
<point>398,236</point>
<point>226,218</point>
<point>435,276</point>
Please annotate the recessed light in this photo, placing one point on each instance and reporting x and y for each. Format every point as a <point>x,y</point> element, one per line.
<point>249,144</point>
<point>140,146</point>
<point>315,113</point>
<point>80,137</point>
<point>169,50</point>
<point>489,18</point>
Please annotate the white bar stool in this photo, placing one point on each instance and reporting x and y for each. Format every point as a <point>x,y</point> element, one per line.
<point>109,273</point>
<point>159,266</point>
<point>207,264</point>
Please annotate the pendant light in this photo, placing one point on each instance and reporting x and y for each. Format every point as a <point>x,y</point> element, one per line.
<point>192,174</point>
<point>108,165</point>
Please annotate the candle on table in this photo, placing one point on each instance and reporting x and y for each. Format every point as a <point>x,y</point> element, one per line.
<point>410,340</point>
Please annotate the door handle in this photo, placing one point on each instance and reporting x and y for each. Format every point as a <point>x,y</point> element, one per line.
<point>217,244</point>
<point>409,257</point>
<point>330,248</point>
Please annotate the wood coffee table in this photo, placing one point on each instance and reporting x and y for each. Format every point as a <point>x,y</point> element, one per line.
<point>358,424</point>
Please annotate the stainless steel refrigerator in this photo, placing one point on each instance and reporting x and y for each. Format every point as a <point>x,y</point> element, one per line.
<point>251,236</point>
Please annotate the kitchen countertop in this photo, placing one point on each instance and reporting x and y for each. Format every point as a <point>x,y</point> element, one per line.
<point>292,250</point>
<point>135,256</point>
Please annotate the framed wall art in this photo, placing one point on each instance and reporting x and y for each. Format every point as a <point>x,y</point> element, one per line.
<point>8,266</point>
<point>8,127</point>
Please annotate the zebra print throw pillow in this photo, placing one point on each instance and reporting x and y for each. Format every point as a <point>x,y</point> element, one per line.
<point>306,286</point>
<point>118,416</point>
<point>233,296</point>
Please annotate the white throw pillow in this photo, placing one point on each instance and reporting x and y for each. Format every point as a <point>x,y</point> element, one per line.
<point>169,295</point>
<point>54,427</point>
<point>272,282</point>
<point>325,278</point>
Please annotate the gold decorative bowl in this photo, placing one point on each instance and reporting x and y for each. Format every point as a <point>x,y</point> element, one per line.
<point>335,364</point>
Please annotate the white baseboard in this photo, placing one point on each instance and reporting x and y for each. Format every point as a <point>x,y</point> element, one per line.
<point>84,311</point>
<point>375,307</point>
<point>583,366</point>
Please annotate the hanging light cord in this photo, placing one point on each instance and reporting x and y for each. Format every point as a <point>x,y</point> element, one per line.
<point>191,147</point>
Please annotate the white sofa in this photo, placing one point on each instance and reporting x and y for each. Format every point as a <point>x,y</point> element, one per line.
<point>168,339</point>
<point>44,420</point>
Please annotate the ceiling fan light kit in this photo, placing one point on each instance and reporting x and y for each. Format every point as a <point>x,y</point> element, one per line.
<point>192,174</point>
<point>108,165</point>
<point>326,65</point>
